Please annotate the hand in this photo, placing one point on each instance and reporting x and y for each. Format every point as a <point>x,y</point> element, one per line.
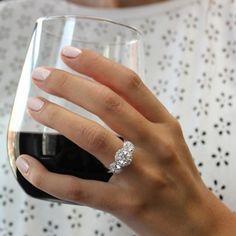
<point>161,192</point>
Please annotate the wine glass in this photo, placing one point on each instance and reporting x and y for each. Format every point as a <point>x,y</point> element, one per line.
<point>115,41</point>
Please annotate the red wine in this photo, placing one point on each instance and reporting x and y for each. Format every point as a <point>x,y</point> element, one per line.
<point>58,154</point>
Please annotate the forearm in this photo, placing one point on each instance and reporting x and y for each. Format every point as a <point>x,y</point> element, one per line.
<point>204,215</point>
<point>227,227</point>
<point>211,218</point>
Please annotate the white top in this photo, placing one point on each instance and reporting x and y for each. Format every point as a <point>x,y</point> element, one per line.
<point>190,55</point>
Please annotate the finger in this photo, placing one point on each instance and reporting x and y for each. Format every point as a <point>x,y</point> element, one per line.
<point>87,134</point>
<point>120,79</point>
<point>95,194</point>
<point>96,98</point>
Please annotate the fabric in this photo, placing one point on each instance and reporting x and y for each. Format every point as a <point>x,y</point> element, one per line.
<point>190,55</point>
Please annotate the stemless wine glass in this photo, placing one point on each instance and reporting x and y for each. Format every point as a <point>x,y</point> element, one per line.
<point>115,41</point>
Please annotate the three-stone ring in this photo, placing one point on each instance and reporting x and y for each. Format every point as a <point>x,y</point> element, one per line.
<point>123,157</point>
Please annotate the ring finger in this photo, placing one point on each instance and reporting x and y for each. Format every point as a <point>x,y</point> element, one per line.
<point>87,134</point>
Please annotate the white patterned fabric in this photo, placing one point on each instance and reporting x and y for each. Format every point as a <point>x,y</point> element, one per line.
<point>190,55</point>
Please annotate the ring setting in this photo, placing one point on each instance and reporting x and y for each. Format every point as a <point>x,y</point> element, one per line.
<point>123,158</point>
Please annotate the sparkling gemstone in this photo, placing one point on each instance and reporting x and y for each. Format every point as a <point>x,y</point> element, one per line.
<point>123,157</point>
<point>124,162</point>
<point>119,154</point>
<point>115,168</point>
<point>128,146</point>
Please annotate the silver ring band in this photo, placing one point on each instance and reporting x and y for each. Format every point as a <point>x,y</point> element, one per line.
<point>123,157</point>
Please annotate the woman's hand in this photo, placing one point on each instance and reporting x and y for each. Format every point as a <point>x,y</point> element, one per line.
<point>161,192</point>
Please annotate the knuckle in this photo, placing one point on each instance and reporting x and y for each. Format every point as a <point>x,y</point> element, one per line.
<point>156,179</point>
<point>134,82</point>
<point>176,126</point>
<point>133,206</point>
<point>152,175</point>
<point>144,133</point>
<point>165,147</point>
<point>96,139</point>
<point>165,141</point>
<point>76,193</point>
<point>111,102</point>
<point>168,151</point>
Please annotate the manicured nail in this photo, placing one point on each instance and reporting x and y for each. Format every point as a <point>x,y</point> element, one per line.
<point>71,52</point>
<point>40,73</point>
<point>22,165</point>
<point>35,104</point>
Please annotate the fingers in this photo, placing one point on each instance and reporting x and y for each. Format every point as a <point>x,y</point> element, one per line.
<point>96,98</point>
<point>119,78</point>
<point>87,134</point>
<point>69,188</point>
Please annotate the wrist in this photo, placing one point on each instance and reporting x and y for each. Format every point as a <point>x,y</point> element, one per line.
<point>210,217</point>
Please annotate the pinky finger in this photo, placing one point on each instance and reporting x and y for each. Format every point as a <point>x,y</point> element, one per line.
<point>91,193</point>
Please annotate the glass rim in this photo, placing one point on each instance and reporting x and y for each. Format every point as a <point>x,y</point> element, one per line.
<point>91,18</point>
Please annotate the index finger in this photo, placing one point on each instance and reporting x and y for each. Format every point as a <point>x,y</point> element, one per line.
<point>119,78</point>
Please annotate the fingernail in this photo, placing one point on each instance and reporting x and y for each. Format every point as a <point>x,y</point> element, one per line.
<point>71,52</point>
<point>22,165</point>
<point>35,104</point>
<point>40,73</point>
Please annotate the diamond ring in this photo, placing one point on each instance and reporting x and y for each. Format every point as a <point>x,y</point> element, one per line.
<point>123,157</point>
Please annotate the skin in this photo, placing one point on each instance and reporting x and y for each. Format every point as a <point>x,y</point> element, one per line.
<point>161,192</point>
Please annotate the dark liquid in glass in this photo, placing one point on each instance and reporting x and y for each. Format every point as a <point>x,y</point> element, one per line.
<point>58,154</point>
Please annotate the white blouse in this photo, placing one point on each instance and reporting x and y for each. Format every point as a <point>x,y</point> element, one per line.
<point>190,55</point>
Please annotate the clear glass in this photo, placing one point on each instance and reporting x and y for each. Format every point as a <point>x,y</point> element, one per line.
<point>118,42</point>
